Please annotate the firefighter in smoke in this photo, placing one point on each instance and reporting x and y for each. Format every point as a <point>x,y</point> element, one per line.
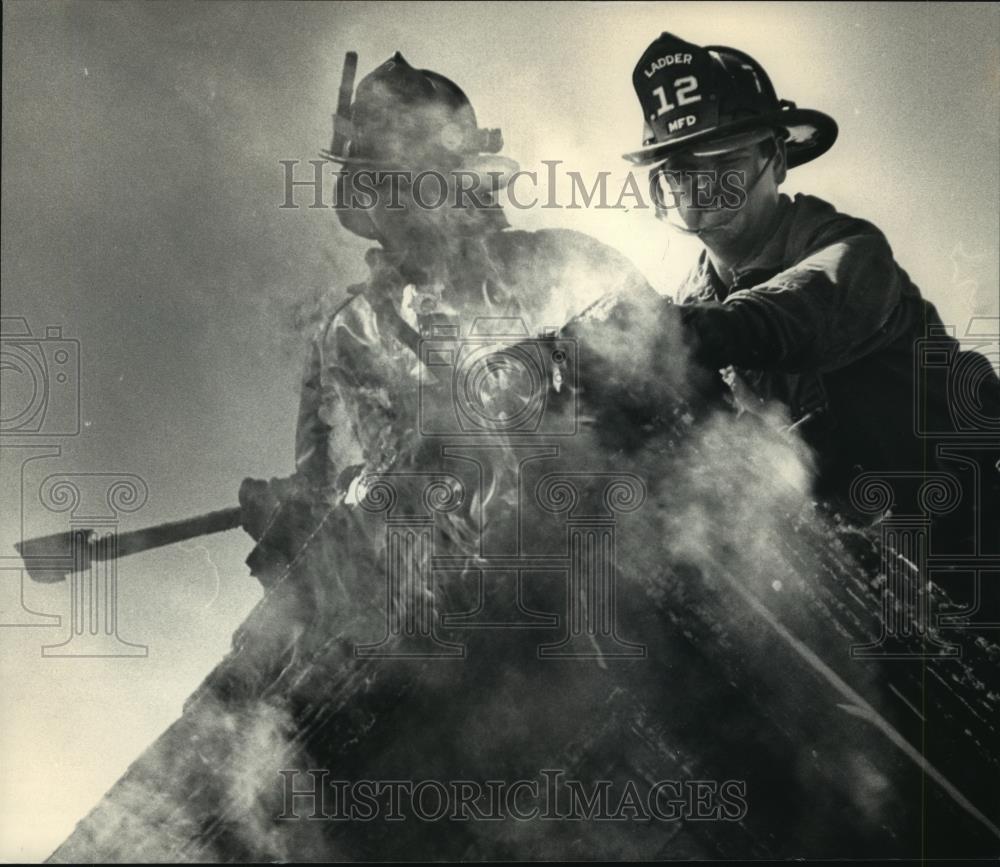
<point>430,266</point>
<point>803,309</point>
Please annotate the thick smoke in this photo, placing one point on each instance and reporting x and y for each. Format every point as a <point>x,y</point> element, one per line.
<point>745,597</point>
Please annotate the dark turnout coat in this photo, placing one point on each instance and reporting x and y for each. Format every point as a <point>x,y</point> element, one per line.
<point>825,322</point>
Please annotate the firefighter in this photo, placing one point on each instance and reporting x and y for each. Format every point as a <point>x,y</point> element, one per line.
<point>451,266</point>
<point>804,308</point>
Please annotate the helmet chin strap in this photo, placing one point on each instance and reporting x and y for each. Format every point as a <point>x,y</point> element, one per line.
<point>680,227</point>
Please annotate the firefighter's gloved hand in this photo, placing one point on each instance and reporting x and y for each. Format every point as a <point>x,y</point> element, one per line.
<point>257,506</point>
<point>261,501</point>
<point>278,514</point>
<point>719,335</point>
<point>639,355</point>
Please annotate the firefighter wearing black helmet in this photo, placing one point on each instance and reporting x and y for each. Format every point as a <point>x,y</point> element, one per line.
<point>804,307</point>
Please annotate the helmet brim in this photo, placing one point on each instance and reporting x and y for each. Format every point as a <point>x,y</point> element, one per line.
<point>810,134</point>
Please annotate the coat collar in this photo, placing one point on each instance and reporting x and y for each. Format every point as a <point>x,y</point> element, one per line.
<point>705,284</point>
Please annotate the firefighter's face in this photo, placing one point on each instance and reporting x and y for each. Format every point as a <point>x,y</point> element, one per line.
<point>413,207</point>
<point>722,196</point>
<point>381,204</point>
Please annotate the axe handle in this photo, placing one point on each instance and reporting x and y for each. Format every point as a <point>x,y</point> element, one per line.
<point>45,556</point>
<point>178,531</point>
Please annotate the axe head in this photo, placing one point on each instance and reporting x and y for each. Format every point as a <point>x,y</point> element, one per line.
<point>49,559</point>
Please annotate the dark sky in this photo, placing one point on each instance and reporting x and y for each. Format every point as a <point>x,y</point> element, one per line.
<point>141,184</point>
